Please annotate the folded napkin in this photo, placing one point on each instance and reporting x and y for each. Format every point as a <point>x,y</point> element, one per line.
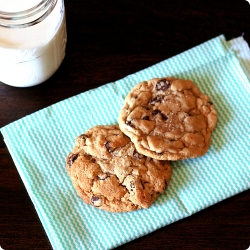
<point>40,142</point>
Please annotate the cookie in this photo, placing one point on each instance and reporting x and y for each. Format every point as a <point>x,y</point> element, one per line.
<point>107,172</point>
<point>168,119</point>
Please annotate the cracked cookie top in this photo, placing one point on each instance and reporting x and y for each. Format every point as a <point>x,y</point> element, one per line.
<point>168,119</point>
<point>107,171</point>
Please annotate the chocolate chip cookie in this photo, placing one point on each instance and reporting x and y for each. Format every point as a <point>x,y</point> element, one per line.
<point>168,119</point>
<point>107,171</point>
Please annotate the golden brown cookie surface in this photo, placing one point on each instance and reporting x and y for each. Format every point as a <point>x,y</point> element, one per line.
<point>107,171</point>
<point>168,119</point>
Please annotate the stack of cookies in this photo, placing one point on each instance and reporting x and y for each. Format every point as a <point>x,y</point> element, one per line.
<point>124,167</point>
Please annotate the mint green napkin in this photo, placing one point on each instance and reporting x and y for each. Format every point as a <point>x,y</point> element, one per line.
<point>40,142</point>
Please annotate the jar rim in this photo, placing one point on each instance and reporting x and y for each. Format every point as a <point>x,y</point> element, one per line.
<point>29,17</point>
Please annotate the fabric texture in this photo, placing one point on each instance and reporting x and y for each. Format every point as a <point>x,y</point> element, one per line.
<point>40,142</point>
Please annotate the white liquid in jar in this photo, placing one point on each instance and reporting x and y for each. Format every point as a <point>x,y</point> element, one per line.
<point>29,56</point>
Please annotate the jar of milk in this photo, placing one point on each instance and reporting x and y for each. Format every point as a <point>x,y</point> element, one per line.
<point>32,40</point>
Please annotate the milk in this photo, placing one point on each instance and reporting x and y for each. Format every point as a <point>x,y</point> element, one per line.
<point>29,56</point>
<point>17,5</point>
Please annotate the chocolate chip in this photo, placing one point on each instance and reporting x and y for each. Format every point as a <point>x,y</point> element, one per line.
<point>163,85</point>
<point>82,139</point>
<point>129,123</point>
<point>71,159</point>
<point>155,112</point>
<point>145,118</point>
<point>96,201</point>
<point>163,117</point>
<point>137,155</point>
<point>158,98</point>
<point>107,145</point>
<point>93,160</point>
<point>94,198</point>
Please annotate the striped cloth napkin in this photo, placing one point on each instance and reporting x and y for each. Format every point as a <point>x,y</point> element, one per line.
<point>40,142</point>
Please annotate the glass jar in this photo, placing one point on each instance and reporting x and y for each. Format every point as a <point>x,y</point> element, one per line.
<point>32,40</point>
